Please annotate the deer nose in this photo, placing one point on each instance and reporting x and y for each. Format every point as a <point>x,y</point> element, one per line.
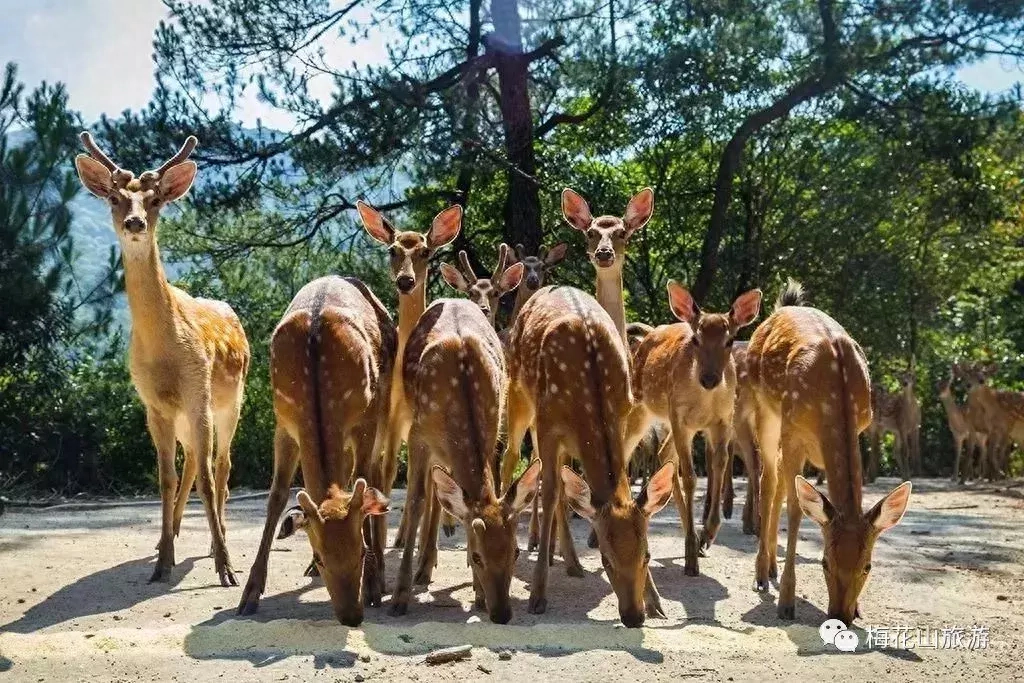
<point>135,224</point>
<point>501,615</point>
<point>532,282</point>
<point>709,380</point>
<point>405,283</point>
<point>632,619</point>
<point>605,256</point>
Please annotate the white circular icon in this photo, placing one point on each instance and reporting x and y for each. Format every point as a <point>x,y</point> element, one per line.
<point>829,629</point>
<point>846,641</point>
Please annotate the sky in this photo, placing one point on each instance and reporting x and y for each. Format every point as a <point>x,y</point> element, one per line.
<point>102,51</point>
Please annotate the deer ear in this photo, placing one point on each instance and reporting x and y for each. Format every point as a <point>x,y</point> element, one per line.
<point>374,502</point>
<point>312,511</point>
<point>682,304</point>
<point>176,181</point>
<point>639,210</point>
<point>813,502</point>
<point>94,176</point>
<point>888,512</point>
<point>454,278</point>
<point>445,227</point>
<point>556,255</point>
<point>511,278</point>
<point>449,493</point>
<point>577,494</point>
<point>745,308</point>
<point>576,210</point>
<point>521,492</point>
<point>375,224</point>
<point>294,520</point>
<point>659,489</point>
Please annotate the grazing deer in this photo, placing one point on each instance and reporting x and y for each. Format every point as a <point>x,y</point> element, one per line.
<point>188,357</point>
<point>409,253</point>
<point>569,376</point>
<point>684,376</point>
<point>812,400</point>
<point>999,413</point>
<point>484,292</point>
<point>331,360</point>
<point>956,418</point>
<point>899,413</point>
<point>455,379</point>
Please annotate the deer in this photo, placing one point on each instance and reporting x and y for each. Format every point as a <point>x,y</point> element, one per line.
<point>484,292</point>
<point>956,418</point>
<point>684,376</point>
<point>455,379</point>
<point>569,378</point>
<point>535,271</point>
<point>409,253</point>
<point>1000,414</point>
<point>331,361</point>
<point>813,398</point>
<point>744,441</point>
<point>188,357</point>
<point>899,413</point>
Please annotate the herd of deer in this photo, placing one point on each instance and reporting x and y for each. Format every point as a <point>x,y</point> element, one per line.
<point>349,387</point>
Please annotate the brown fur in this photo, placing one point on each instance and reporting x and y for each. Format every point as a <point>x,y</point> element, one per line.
<point>899,413</point>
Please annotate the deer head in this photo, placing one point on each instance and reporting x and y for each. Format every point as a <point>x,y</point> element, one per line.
<point>621,528</point>
<point>491,535</point>
<point>945,384</point>
<point>484,292</point>
<point>713,333</point>
<point>335,531</point>
<point>607,236</point>
<point>536,267</point>
<point>135,203</point>
<point>977,374</point>
<point>849,542</point>
<point>409,250</point>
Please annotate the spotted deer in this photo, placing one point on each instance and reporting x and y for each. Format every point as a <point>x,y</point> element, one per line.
<point>455,378</point>
<point>483,291</point>
<point>331,360</point>
<point>569,376</point>
<point>956,418</point>
<point>409,253</point>
<point>899,413</point>
<point>188,357</point>
<point>684,376</point>
<point>535,271</point>
<point>812,401</point>
<point>999,413</point>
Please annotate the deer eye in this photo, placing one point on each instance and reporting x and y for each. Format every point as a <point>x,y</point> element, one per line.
<point>113,199</point>
<point>619,233</point>
<point>393,250</point>
<point>424,252</point>
<point>477,560</point>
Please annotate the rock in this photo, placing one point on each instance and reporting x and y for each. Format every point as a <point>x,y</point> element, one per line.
<point>505,655</point>
<point>359,678</point>
<point>364,658</point>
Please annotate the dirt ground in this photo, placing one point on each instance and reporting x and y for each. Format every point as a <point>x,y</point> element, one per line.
<point>75,605</point>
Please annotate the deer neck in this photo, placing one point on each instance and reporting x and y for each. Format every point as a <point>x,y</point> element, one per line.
<point>149,295</point>
<point>523,295</point>
<point>410,308</point>
<point>609,295</point>
<point>952,409</point>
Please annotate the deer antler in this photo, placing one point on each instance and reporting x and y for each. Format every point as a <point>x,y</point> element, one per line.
<point>96,153</point>
<point>502,261</point>
<point>467,269</point>
<point>520,252</point>
<point>186,149</point>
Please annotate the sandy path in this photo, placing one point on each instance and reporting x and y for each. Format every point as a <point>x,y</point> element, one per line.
<point>74,604</point>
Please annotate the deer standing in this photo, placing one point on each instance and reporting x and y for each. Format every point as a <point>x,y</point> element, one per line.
<point>744,440</point>
<point>569,376</point>
<point>899,413</point>
<point>959,426</point>
<point>331,360</point>
<point>1000,414</point>
<point>684,376</point>
<point>409,253</point>
<point>535,272</point>
<point>455,378</point>
<point>813,399</point>
<point>484,292</point>
<point>188,357</point>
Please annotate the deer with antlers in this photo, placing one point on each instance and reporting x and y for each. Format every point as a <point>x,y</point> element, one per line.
<point>455,379</point>
<point>331,361</point>
<point>569,377</point>
<point>684,376</point>
<point>409,254</point>
<point>484,292</point>
<point>188,357</point>
<point>813,400</point>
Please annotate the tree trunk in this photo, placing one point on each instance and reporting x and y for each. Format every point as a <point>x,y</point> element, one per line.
<point>522,201</point>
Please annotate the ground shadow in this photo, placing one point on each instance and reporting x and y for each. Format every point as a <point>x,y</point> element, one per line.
<point>109,590</point>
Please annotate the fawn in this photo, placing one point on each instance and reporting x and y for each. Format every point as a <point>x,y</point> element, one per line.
<point>454,375</point>
<point>684,375</point>
<point>956,418</point>
<point>569,376</point>
<point>188,357</point>
<point>331,360</point>
<point>812,401</point>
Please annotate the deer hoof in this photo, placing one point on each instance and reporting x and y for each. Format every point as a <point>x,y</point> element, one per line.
<point>761,586</point>
<point>538,605</point>
<point>532,545</point>
<point>311,571</point>
<point>480,601</point>
<point>399,609</point>
<point>423,576</point>
<point>787,612</point>
<point>575,570</point>
<point>161,574</point>
<point>691,568</point>
<point>773,571</point>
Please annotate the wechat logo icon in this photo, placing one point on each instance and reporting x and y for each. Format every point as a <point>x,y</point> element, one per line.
<point>834,632</point>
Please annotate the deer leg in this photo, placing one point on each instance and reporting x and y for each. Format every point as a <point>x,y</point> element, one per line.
<point>188,479</point>
<point>428,533</point>
<point>874,461</point>
<point>286,461</point>
<point>717,450</point>
<point>683,441</point>
<point>225,424</point>
<point>201,439</point>
<point>751,465</point>
<point>572,562</point>
<point>728,492</point>
<point>769,427</point>
<point>161,430</point>
<point>958,447</point>
<point>787,588</point>
<point>534,539</point>
<point>517,427</point>
<point>388,468</point>
<point>548,451</point>
<point>416,501</point>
